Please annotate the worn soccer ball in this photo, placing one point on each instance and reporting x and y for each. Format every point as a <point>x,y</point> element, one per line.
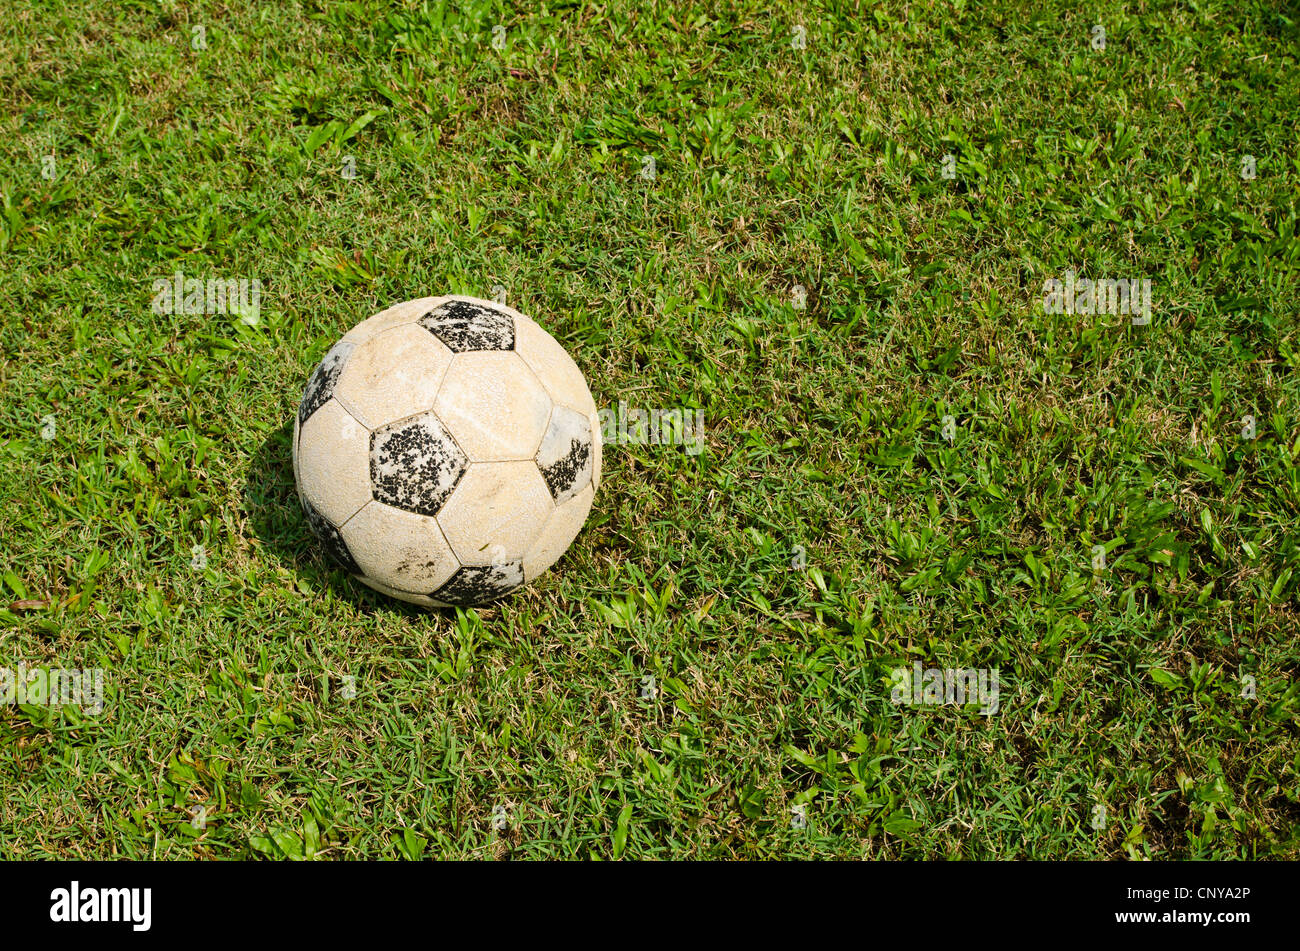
<point>446,451</point>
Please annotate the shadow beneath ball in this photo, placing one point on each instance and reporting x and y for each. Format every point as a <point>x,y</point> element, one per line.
<point>270,503</point>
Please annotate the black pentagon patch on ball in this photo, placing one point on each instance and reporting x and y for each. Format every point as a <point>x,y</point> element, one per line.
<point>321,385</point>
<point>331,538</point>
<point>464,326</point>
<point>565,454</point>
<point>415,464</point>
<point>479,584</point>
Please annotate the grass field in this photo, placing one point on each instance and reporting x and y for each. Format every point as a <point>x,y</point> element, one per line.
<point>715,207</point>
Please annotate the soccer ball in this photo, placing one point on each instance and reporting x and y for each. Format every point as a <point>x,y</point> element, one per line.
<point>446,451</point>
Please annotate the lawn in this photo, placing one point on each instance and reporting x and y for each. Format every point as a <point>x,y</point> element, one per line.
<point>826,227</point>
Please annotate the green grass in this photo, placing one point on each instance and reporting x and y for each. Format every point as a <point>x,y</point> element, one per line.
<point>1120,687</point>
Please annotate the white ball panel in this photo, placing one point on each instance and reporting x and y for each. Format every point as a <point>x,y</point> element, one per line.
<point>558,534</point>
<point>496,512</point>
<point>553,366</point>
<point>334,462</point>
<point>399,549</point>
<point>493,406</point>
<point>407,312</point>
<point>392,375</point>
